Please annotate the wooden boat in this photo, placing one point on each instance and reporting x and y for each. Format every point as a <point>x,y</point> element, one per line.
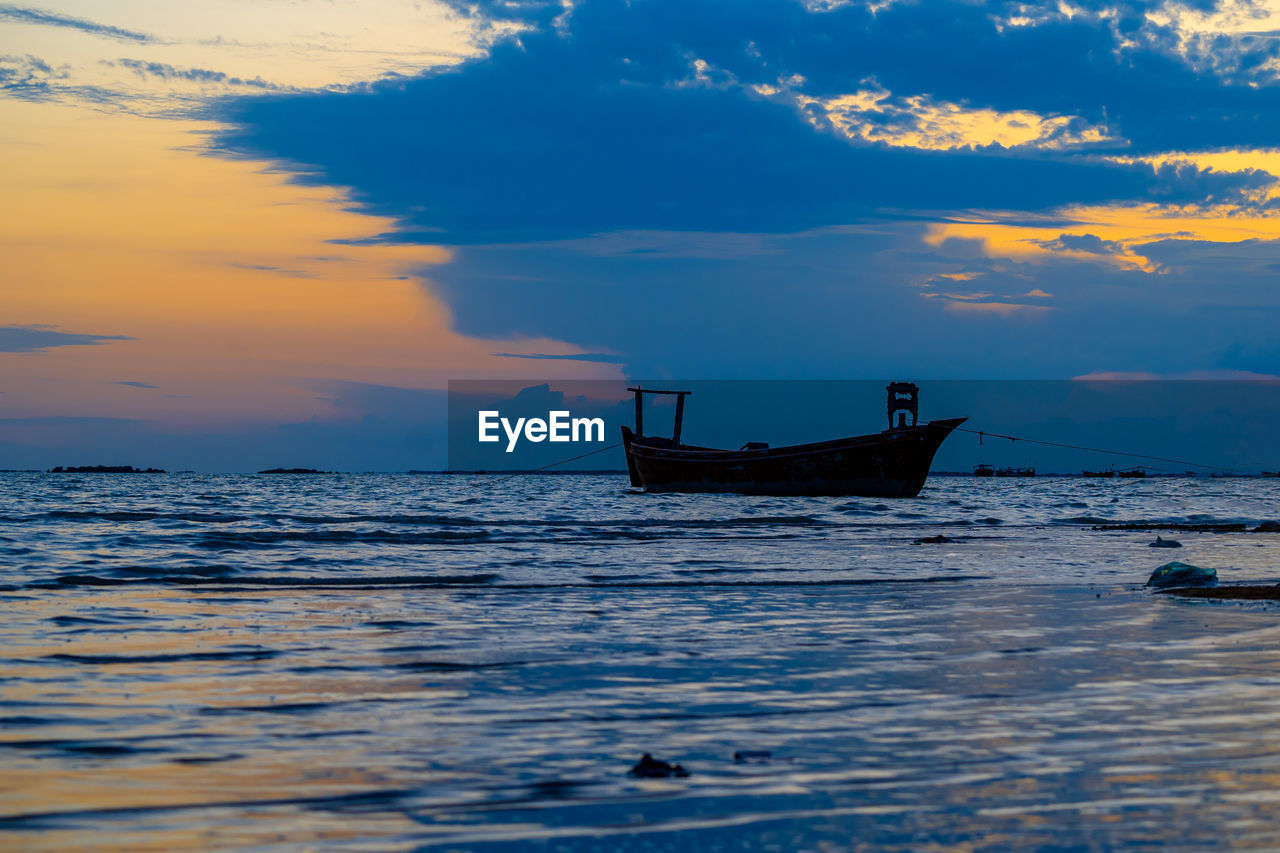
<point>1016,472</point>
<point>889,464</point>
<point>984,470</point>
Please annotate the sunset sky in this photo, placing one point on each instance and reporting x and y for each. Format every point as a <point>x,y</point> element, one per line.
<point>245,233</point>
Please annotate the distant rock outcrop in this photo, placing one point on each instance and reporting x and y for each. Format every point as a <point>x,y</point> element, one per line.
<point>104,469</point>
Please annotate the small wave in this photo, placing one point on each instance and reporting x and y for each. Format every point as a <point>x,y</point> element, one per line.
<point>133,575</point>
<point>174,657</point>
<point>135,515</point>
<point>206,759</point>
<point>681,584</point>
<point>240,581</point>
<point>97,748</point>
<point>274,708</point>
<point>272,538</point>
<point>92,621</point>
<point>456,666</point>
<point>1191,522</point>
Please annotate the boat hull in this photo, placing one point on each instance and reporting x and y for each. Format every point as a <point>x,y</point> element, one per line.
<point>890,464</point>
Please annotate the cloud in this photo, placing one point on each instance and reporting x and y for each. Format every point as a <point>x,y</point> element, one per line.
<point>165,71</point>
<point>30,78</point>
<point>921,121</point>
<point>1230,38</point>
<point>667,244</point>
<point>1217,375</point>
<point>629,145</point>
<point>41,338</point>
<point>284,271</point>
<point>136,385</point>
<point>18,14</point>
<point>997,309</point>
<point>601,357</point>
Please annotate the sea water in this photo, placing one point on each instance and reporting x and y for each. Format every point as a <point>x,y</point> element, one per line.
<point>472,662</point>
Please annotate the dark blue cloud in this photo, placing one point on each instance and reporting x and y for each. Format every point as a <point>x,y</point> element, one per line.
<point>165,71</point>
<point>131,384</point>
<point>23,15</point>
<point>605,128</point>
<point>39,338</point>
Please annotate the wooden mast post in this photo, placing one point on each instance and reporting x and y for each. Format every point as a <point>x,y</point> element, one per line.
<point>675,434</point>
<point>679,395</point>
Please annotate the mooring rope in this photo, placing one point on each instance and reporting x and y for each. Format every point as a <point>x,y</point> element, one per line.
<point>552,465</point>
<point>978,432</point>
<point>982,433</point>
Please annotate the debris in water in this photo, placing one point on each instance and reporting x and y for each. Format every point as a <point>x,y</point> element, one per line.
<point>1165,543</point>
<point>1182,575</point>
<point>935,540</point>
<point>649,767</point>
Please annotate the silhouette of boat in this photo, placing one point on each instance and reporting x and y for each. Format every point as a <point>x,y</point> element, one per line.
<point>1110,472</point>
<point>1016,472</point>
<point>889,464</point>
<point>984,470</point>
<point>1132,473</point>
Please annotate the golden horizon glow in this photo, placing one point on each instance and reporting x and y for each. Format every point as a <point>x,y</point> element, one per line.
<point>225,273</point>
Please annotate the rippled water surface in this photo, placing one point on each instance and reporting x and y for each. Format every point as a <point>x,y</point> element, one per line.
<point>403,662</point>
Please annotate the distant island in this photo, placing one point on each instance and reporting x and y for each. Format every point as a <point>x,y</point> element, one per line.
<point>520,471</point>
<point>104,469</point>
<point>293,471</point>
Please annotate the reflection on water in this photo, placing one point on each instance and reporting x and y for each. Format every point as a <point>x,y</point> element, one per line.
<point>404,662</point>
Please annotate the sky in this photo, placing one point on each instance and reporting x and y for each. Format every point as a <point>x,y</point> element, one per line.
<point>252,233</point>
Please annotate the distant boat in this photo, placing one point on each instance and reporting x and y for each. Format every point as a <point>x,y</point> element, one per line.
<point>889,464</point>
<point>1271,473</point>
<point>984,470</point>
<point>1132,473</point>
<point>1110,472</point>
<point>1016,472</point>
